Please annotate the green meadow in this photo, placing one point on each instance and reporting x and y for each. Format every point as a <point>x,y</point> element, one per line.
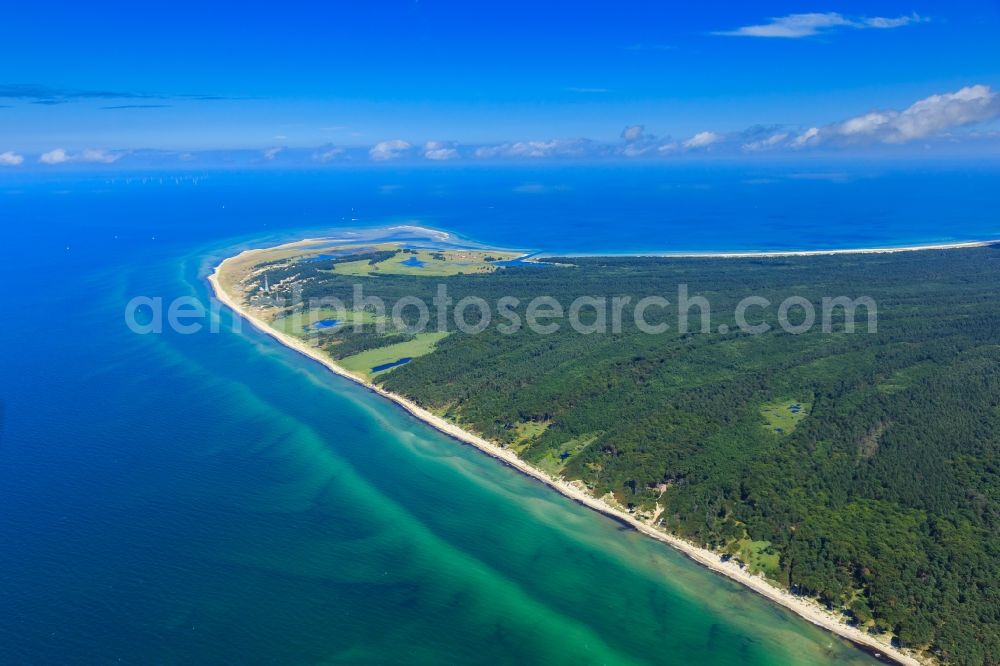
<point>362,364</point>
<point>783,416</point>
<point>426,263</point>
<point>298,323</point>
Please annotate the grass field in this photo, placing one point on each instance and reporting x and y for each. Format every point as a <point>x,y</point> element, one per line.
<point>362,267</point>
<point>757,555</point>
<point>555,461</point>
<point>903,379</point>
<point>782,416</point>
<point>527,430</point>
<point>363,363</point>
<point>297,323</point>
<point>427,263</point>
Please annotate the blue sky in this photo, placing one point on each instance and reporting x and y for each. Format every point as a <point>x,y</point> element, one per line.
<point>102,82</point>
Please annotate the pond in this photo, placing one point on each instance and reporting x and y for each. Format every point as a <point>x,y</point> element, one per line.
<point>396,363</point>
<point>322,324</point>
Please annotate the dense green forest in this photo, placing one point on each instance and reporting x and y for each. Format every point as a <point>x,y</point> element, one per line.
<point>861,468</point>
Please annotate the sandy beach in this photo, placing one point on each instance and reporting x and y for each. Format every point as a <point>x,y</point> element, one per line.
<point>804,607</point>
<point>784,253</point>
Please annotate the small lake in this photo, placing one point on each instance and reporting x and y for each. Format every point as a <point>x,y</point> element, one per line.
<point>318,257</point>
<point>322,324</point>
<point>394,364</point>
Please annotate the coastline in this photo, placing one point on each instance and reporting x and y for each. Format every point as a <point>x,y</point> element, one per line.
<point>750,254</point>
<point>536,256</point>
<point>806,608</point>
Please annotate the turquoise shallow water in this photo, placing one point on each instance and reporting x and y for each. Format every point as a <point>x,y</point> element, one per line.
<point>216,498</point>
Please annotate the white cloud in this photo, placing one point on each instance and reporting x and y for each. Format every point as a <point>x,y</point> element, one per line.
<point>271,153</point>
<point>638,142</point>
<point>57,156</point>
<point>702,140</point>
<point>889,23</point>
<point>633,132</point>
<point>931,116</point>
<point>536,149</point>
<point>795,26</point>
<point>934,114</point>
<point>768,143</point>
<point>327,153</point>
<point>791,26</point>
<point>808,137</point>
<point>91,155</point>
<point>99,156</point>
<point>388,150</point>
<point>436,150</point>
<point>636,149</point>
<point>10,158</point>
<point>866,124</point>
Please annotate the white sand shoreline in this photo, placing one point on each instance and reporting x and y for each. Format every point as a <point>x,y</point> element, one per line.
<point>536,256</point>
<point>750,254</point>
<point>804,607</point>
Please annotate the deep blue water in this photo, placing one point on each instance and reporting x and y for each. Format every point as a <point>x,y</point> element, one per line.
<point>215,498</point>
<point>573,209</point>
<point>394,364</point>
